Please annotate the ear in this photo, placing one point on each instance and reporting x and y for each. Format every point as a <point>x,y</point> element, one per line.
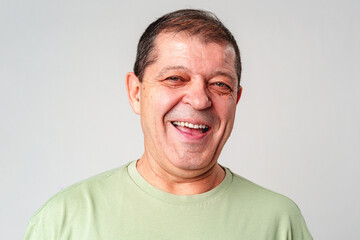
<point>133,86</point>
<point>239,94</point>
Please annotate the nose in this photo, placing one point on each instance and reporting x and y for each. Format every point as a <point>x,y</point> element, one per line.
<point>197,95</point>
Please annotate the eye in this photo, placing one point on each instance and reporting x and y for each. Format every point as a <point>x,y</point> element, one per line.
<point>220,84</point>
<point>221,87</point>
<point>174,81</point>
<point>174,78</point>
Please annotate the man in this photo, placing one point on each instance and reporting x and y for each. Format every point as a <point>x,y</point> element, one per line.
<point>185,87</point>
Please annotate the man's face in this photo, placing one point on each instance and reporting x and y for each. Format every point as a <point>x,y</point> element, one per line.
<point>187,101</point>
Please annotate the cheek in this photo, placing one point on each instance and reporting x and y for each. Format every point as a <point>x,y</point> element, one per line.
<point>160,101</point>
<point>225,109</point>
<point>169,98</point>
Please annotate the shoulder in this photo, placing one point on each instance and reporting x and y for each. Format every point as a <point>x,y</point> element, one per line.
<point>259,195</point>
<point>264,207</point>
<point>75,203</point>
<point>90,186</point>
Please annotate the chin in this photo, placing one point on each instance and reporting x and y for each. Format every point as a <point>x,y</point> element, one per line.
<point>192,163</point>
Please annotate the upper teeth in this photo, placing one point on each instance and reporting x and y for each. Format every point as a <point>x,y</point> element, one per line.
<point>190,125</point>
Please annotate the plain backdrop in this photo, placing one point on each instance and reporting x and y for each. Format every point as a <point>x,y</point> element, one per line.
<point>64,113</point>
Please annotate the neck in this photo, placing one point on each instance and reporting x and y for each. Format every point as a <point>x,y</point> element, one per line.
<point>201,182</point>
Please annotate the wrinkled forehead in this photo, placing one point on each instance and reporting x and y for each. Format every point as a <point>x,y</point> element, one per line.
<point>183,35</point>
<point>167,42</point>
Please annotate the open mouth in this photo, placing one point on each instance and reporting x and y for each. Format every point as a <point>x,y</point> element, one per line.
<point>201,128</point>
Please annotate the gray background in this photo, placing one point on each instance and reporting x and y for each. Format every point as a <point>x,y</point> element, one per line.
<point>65,114</point>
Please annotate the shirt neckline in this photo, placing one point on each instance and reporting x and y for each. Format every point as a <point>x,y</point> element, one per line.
<point>178,199</point>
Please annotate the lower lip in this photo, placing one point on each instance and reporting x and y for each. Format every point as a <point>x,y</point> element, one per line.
<point>189,136</point>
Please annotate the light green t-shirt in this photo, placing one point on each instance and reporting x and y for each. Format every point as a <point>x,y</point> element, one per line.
<point>120,204</point>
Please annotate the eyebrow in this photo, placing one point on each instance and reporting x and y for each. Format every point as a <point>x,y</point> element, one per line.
<point>225,74</point>
<point>165,69</point>
<point>177,67</point>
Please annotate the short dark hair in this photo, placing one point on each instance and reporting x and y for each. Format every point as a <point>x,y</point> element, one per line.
<point>192,21</point>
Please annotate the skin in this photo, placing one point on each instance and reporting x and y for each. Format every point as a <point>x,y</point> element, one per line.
<point>190,81</point>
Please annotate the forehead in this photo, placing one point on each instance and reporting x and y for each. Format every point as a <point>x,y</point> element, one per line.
<point>192,51</point>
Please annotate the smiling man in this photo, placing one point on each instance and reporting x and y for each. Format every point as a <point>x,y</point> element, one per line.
<point>186,100</point>
<point>185,87</point>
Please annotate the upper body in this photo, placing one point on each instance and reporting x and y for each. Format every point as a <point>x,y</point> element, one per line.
<point>185,87</point>
<point>121,204</point>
